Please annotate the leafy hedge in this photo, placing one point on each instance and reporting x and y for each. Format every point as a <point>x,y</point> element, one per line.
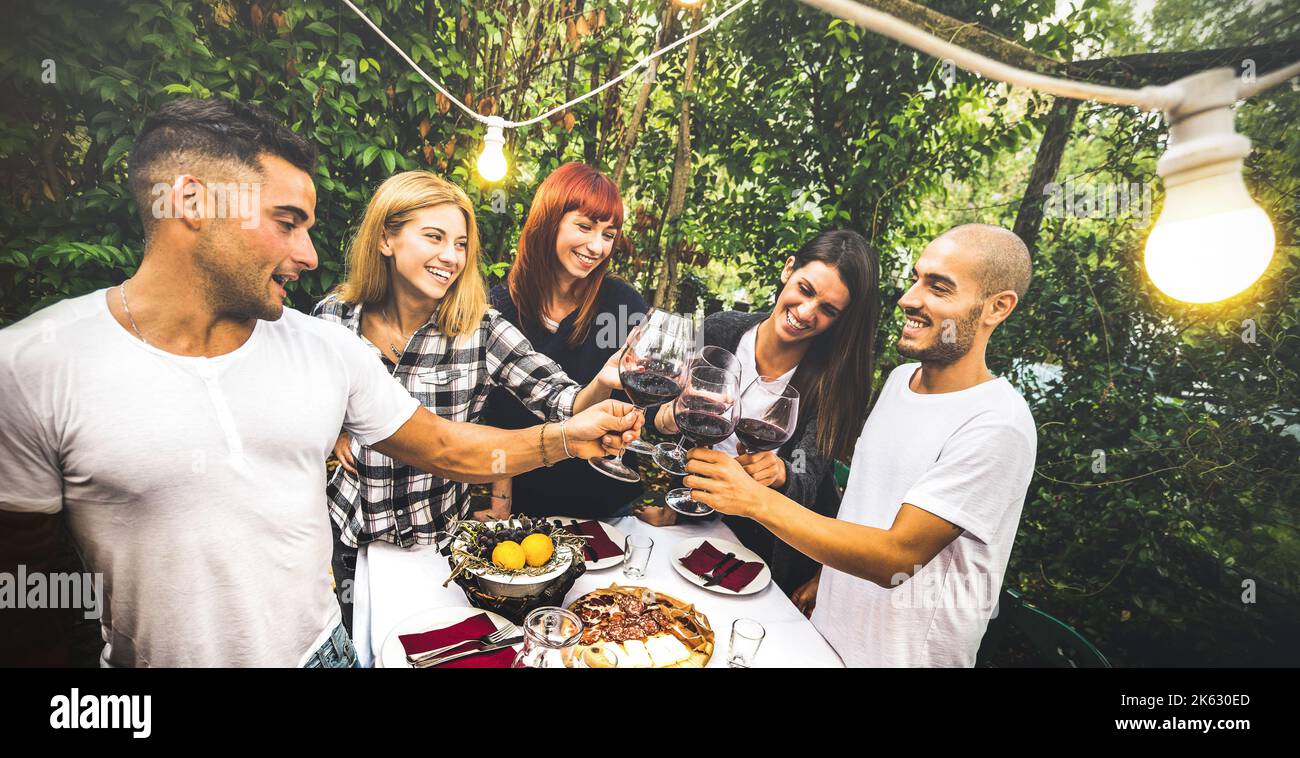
<point>798,123</point>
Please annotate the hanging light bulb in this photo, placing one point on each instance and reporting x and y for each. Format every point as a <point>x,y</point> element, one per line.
<point>1211,241</point>
<point>492,161</point>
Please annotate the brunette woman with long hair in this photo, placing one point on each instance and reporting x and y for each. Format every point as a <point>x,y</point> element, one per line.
<point>817,338</point>
<point>560,294</point>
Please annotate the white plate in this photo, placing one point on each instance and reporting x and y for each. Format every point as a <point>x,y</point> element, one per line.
<point>615,536</point>
<point>684,548</point>
<point>393,655</point>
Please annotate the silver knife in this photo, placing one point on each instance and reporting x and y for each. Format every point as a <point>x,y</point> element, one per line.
<point>714,568</point>
<point>717,579</point>
<point>430,662</point>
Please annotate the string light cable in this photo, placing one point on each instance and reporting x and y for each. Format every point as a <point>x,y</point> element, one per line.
<point>1207,211</point>
<point>1211,241</point>
<point>493,121</point>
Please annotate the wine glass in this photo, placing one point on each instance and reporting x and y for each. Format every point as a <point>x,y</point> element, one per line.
<point>712,355</point>
<point>652,369</point>
<point>769,411</point>
<point>709,355</point>
<point>706,413</point>
<point>668,321</point>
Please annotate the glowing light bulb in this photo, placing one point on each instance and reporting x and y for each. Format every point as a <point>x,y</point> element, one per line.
<point>1211,241</point>
<point>492,164</point>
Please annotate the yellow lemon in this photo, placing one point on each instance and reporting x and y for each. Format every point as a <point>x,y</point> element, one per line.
<point>538,549</point>
<point>508,555</point>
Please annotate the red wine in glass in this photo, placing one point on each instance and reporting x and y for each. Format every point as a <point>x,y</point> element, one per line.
<point>706,413</point>
<point>704,425</point>
<point>651,384</point>
<point>652,369</point>
<point>760,436</point>
<point>769,411</point>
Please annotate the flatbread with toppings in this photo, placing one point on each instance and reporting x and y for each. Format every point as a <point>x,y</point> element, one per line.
<point>635,627</point>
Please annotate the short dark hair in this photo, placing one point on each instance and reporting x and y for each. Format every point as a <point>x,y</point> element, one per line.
<point>1005,263</point>
<point>213,129</point>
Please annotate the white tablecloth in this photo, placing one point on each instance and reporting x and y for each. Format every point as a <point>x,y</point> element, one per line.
<point>395,583</point>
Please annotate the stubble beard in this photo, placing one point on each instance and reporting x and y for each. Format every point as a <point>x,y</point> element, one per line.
<point>942,353</point>
<point>234,291</point>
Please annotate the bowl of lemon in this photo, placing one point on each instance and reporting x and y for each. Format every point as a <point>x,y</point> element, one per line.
<point>513,558</point>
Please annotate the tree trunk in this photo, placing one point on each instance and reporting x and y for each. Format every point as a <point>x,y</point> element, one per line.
<point>1029,217</point>
<point>643,96</point>
<point>609,102</point>
<point>563,141</point>
<point>666,288</point>
<point>589,151</point>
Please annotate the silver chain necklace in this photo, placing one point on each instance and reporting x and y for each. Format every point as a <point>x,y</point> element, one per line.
<point>398,324</point>
<point>121,288</point>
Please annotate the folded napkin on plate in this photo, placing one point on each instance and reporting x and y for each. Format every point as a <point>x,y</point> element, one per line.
<point>470,629</point>
<point>597,540</point>
<point>701,562</point>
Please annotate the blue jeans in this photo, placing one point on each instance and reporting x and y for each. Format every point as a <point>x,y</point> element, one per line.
<point>335,653</point>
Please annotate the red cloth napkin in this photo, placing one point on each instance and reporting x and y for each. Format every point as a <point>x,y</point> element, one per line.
<point>470,629</point>
<point>702,559</point>
<point>597,540</point>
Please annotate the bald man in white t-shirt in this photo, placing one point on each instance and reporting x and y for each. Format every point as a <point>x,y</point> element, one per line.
<point>914,563</point>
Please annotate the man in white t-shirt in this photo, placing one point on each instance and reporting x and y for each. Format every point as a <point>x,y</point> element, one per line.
<point>179,423</point>
<point>914,563</point>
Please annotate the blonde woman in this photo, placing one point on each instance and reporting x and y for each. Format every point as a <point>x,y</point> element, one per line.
<point>414,294</point>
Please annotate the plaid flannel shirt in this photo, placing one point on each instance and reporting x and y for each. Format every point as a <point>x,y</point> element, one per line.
<point>403,505</point>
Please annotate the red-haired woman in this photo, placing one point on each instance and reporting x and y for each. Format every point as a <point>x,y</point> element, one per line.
<point>561,296</point>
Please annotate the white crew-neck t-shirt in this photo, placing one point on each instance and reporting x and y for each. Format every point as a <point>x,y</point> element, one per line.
<point>748,373</point>
<point>195,485</point>
<point>967,457</point>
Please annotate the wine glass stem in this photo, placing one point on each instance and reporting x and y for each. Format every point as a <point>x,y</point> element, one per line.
<point>640,410</point>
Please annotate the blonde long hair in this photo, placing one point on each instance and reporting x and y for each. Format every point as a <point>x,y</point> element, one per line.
<point>370,272</point>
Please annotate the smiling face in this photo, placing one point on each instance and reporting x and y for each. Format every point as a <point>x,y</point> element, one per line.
<point>812,299</point>
<point>583,243</point>
<point>429,252</point>
<point>944,306</point>
<point>248,264</point>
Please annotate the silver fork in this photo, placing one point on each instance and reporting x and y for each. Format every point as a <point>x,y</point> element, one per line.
<point>504,633</point>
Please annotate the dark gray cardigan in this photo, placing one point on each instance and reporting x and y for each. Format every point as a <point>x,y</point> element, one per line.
<point>724,329</point>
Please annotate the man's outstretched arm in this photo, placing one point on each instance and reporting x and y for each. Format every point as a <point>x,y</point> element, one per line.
<point>877,555</point>
<point>475,453</point>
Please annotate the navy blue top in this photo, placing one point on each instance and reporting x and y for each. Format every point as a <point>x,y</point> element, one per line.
<point>572,487</point>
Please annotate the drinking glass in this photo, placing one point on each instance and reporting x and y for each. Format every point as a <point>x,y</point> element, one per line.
<point>769,411</point>
<point>636,555</point>
<point>746,636</point>
<point>652,368</point>
<point>706,413</point>
<point>709,355</point>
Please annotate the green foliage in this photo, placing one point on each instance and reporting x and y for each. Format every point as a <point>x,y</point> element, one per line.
<point>1199,427</point>
<point>799,123</point>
